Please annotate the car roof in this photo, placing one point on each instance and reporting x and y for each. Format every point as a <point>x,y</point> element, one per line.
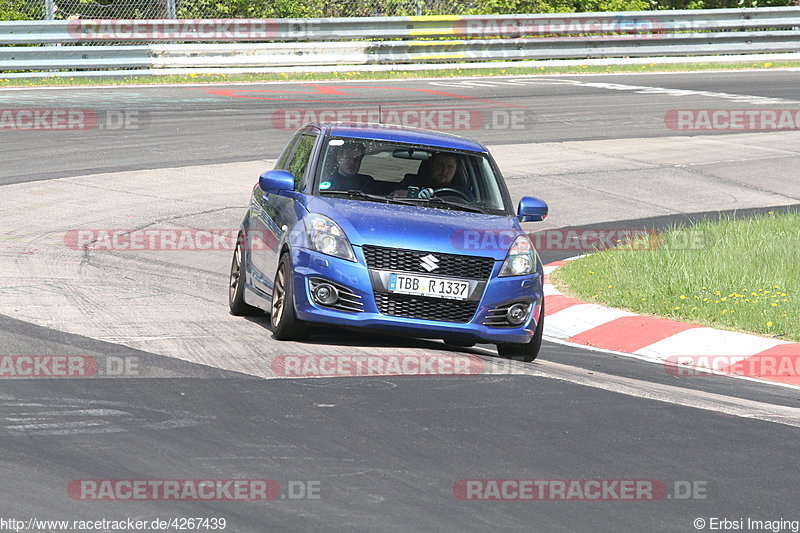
<point>403,134</point>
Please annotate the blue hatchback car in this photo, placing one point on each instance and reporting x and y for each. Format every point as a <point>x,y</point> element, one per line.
<point>391,228</point>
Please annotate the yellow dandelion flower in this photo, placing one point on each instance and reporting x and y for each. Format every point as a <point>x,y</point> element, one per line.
<point>683,297</point>
<point>769,324</point>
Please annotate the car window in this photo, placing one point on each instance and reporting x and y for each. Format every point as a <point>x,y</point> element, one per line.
<point>387,168</point>
<point>283,159</point>
<point>302,153</point>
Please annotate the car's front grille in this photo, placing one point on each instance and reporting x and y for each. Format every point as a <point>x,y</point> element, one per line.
<point>458,266</point>
<point>423,308</point>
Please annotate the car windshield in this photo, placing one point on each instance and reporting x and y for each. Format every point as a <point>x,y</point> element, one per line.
<point>434,177</point>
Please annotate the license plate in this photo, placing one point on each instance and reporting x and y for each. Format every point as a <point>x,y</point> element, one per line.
<point>425,286</point>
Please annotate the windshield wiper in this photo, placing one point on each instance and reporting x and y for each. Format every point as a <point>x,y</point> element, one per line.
<point>364,196</point>
<point>452,205</point>
<point>404,201</point>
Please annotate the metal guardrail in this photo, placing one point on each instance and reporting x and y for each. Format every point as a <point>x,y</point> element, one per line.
<point>437,39</point>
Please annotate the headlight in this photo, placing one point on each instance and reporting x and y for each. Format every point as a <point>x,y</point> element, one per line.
<point>325,236</point>
<point>521,258</point>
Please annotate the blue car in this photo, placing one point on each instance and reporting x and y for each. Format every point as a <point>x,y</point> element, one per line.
<point>394,229</point>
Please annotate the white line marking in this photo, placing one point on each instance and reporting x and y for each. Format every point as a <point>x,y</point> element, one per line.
<point>551,78</point>
<point>642,89</point>
<point>579,318</point>
<point>550,290</point>
<point>710,342</point>
<point>660,361</point>
<point>708,401</point>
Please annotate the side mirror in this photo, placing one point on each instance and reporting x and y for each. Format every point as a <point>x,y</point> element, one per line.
<point>531,209</point>
<point>276,181</point>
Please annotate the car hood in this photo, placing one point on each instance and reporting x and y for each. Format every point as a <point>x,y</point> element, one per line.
<point>420,228</point>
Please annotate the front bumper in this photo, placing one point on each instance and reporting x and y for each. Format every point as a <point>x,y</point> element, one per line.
<point>356,277</point>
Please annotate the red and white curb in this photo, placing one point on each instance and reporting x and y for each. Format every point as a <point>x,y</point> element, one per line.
<point>676,344</point>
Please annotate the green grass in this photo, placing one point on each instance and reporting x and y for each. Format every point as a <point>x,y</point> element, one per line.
<point>355,75</point>
<point>739,274</point>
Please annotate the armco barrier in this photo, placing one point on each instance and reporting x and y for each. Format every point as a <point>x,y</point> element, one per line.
<point>221,44</point>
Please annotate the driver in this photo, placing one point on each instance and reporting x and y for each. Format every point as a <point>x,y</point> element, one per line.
<point>441,170</point>
<point>437,173</point>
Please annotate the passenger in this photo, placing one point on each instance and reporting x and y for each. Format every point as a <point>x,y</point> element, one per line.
<point>345,176</point>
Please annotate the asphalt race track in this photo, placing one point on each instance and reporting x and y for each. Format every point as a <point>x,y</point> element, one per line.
<point>200,398</point>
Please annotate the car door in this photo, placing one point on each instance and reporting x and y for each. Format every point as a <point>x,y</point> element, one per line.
<point>273,214</point>
<point>256,236</point>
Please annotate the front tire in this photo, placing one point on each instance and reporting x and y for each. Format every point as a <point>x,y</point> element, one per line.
<point>285,324</point>
<point>528,351</point>
<point>237,282</point>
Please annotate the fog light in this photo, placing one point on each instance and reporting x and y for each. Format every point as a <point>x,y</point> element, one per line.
<point>517,314</point>
<point>325,294</point>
